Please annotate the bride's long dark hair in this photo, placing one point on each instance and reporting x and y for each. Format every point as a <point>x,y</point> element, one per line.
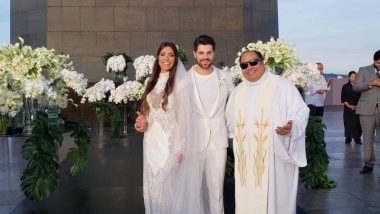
<point>154,77</point>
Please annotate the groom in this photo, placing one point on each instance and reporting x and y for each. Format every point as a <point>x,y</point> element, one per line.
<point>212,87</point>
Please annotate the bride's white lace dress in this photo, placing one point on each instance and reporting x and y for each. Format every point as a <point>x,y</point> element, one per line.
<point>162,145</point>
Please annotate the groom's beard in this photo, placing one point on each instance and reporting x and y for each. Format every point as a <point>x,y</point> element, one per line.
<point>205,63</point>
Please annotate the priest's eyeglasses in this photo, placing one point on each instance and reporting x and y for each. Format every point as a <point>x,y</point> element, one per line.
<point>252,62</point>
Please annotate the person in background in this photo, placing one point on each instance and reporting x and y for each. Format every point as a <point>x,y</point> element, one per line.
<point>350,99</point>
<point>368,83</point>
<point>315,100</point>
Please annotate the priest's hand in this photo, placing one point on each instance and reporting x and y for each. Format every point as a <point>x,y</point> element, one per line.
<point>140,124</point>
<point>285,130</point>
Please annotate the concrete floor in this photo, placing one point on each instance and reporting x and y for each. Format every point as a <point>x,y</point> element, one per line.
<point>112,182</point>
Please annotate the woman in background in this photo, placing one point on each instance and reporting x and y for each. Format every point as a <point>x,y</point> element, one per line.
<point>351,120</point>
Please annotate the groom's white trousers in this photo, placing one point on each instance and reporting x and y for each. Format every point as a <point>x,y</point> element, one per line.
<point>213,162</point>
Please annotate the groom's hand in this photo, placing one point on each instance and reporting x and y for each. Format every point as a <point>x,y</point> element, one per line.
<point>285,130</point>
<point>140,124</point>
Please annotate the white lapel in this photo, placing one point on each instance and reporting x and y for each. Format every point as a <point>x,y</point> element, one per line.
<point>219,77</point>
<point>197,96</point>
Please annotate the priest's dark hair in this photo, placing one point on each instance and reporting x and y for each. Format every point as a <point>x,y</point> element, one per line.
<point>156,74</point>
<point>204,40</point>
<point>253,51</point>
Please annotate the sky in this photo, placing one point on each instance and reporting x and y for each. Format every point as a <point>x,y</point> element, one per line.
<point>342,34</point>
<point>4,21</point>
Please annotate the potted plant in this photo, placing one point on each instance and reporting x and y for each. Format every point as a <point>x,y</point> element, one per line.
<point>29,74</point>
<point>117,63</point>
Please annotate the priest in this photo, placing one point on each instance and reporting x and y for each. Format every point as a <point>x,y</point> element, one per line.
<point>266,118</point>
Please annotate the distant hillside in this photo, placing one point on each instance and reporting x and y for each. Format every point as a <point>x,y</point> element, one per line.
<point>334,76</point>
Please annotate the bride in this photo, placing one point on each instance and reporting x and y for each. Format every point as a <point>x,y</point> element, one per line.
<point>166,109</point>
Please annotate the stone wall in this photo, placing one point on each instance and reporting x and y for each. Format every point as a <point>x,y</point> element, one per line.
<point>260,20</point>
<point>86,29</point>
<point>28,20</point>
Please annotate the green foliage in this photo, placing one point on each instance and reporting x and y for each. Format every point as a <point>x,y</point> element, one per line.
<point>182,55</point>
<point>78,155</point>
<point>99,107</point>
<point>114,113</point>
<point>112,110</point>
<point>5,122</point>
<point>41,176</point>
<point>314,175</point>
<point>110,54</point>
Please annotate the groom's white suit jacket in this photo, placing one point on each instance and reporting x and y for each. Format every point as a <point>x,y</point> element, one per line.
<point>212,127</point>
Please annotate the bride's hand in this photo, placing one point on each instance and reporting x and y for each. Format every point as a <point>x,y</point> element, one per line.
<point>180,158</point>
<point>140,124</point>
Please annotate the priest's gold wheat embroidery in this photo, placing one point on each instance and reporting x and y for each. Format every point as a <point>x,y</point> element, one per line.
<point>241,155</point>
<point>259,155</point>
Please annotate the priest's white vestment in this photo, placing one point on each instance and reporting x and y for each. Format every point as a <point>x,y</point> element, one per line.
<point>282,102</point>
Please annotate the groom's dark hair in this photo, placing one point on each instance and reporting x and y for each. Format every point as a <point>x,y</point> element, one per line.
<point>204,40</point>
<point>376,56</point>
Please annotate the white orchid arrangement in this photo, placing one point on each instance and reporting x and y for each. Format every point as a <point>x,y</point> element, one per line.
<point>128,91</point>
<point>98,91</point>
<point>11,101</point>
<point>143,66</point>
<point>236,73</point>
<point>276,54</point>
<point>35,74</point>
<point>116,63</point>
<point>74,80</point>
<point>302,74</point>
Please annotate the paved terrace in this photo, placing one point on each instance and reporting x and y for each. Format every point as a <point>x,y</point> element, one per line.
<point>112,182</point>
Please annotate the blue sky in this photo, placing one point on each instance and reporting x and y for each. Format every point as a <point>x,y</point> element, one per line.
<point>4,21</point>
<point>342,34</point>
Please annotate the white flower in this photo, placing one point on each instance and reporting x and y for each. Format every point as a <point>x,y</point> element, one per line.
<point>276,53</point>
<point>36,74</point>
<point>302,74</point>
<point>143,66</point>
<point>128,91</point>
<point>74,80</point>
<point>116,63</point>
<point>98,91</point>
<point>10,101</point>
<point>236,73</point>
<point>34,88</point>
<point>51,93</point>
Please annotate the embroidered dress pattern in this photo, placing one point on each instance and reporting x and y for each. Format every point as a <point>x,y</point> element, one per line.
<point>159,152</point>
